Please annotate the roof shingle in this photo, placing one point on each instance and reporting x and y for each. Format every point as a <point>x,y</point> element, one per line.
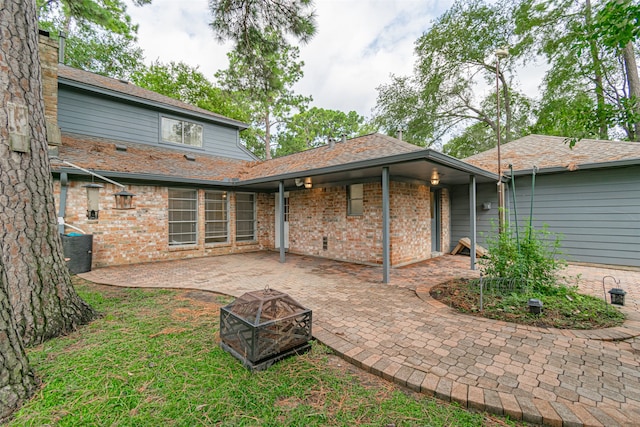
<point>101,155</point>
<point>552,151</point>
<point>361,148</point>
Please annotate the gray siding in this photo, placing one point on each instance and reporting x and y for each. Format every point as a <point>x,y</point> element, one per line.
<point>460,212</point>
<point>91,114</point>
<point>597,212</point>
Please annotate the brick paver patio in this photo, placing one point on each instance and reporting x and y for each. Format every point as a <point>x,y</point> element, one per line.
<point>397,331</point>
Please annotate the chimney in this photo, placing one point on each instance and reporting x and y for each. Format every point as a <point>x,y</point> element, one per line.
<point>400,134</point>
<point>48,50</point>
<point>344,137</point>
<point>61,43</point>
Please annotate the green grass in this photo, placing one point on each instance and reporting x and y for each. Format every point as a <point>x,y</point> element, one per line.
<point>153,359</point>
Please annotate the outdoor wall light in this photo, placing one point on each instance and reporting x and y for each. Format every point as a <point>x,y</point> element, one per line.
<point>124,200</point>
<point>435,177</point>
<point>93,200</point>
<point>307,182</point>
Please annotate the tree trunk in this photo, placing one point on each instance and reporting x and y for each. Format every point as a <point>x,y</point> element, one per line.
<point>42,299</point>
<point>17,382</point>
<point>603,130</point>
<point>634,87</point>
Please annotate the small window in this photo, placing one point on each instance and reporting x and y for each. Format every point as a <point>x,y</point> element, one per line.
<point>245,217</point>
<point>181,132</point>
<point>183,217</point>
<point>216,217</point>
<point>355,199</point>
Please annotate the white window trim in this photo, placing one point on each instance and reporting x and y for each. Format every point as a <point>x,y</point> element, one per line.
<point>181,144</point>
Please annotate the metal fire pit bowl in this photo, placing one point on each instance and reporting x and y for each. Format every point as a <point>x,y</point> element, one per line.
<point>260,328</point>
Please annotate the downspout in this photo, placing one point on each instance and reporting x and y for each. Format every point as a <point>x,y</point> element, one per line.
<point>64,187</point>
<point>515,206</point>
<point>533,189</point>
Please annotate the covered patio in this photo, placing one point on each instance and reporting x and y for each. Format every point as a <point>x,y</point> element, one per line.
<point>417,167</point>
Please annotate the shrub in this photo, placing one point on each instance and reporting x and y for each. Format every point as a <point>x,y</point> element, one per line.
<point>534,258</point>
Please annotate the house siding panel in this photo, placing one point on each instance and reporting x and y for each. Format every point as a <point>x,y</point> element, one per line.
<point>87,114</point>
<point>597,212</point>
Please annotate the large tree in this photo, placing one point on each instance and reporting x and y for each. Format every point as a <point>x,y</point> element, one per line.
<point>34,275</point>
<point>454,70</point>
<point>263,83</point>
<point>263,24</point>
<point>100,36</point>
<point>586,86</point>
<point>317,126</point>
<point>263,65</point>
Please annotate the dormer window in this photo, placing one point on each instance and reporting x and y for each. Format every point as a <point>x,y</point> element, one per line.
<point>181,132</point>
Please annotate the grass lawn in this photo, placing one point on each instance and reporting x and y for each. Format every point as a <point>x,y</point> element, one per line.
<point>153,359</point>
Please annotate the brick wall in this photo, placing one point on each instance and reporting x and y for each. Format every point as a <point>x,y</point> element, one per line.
<point>410,223</point>
<point>445,220</point>
<point>141,235</point>
<point>48,50</point>
<point>322,212</point>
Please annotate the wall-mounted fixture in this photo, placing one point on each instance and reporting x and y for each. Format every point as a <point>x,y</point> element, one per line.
<point>124,199</point>
<point>307,182</point>
<point>93,200</point>
<point>486,206</point>
<point>299,182</point>
<point>435,177</point>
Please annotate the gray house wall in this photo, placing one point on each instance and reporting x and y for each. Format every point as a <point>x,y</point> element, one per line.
<point>485,193</point>
<point>90,114</point>
<point>596,211</point>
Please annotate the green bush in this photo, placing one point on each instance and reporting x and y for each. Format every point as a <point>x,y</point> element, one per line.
<point>533,258</point>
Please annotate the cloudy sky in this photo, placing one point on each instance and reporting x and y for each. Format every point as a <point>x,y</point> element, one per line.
<point>359,43</point>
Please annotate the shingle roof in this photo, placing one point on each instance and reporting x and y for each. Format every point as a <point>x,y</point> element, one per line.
<point>552,151</point>
<point>365,147</point>
<point>100,154</point>
<point>127,88</point>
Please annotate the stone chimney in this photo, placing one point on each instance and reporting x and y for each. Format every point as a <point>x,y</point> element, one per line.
<point>48,49</point>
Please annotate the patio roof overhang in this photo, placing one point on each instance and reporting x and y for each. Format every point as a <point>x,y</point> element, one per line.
<point>414,166</point>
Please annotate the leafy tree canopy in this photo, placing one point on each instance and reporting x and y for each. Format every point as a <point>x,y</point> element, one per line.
<point>263,84</point>
<point>101,37</point>
<point>316,126</point>
<point>262,23</point>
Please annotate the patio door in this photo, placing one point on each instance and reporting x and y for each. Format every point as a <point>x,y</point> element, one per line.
<point>286,220</point>
<point>435,221</point>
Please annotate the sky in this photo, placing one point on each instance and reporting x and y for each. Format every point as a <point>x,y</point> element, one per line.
<point>358,45</point>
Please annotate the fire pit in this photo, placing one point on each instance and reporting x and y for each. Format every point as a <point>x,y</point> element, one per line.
<point>260,328</point>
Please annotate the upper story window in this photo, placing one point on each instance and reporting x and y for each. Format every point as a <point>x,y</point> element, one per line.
<point>181,132</point>
<point>355,199</point>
